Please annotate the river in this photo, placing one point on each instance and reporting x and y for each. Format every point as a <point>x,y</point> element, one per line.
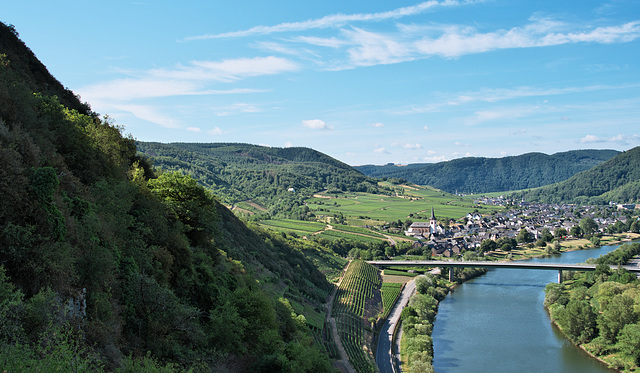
<point>497,323</point>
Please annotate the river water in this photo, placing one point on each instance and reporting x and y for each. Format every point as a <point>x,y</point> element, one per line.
<point>497,323</point>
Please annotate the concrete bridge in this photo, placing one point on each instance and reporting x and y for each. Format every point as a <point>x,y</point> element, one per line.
<point>478,264</point>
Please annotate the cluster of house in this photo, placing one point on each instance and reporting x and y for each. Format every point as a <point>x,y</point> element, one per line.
<point>451,240</point>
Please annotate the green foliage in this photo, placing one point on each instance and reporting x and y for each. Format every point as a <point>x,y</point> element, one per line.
<point>239,172</point>
<point>481,175</point>
<point>614,180</point>
<point>106,267</point>
<point>603,316</point>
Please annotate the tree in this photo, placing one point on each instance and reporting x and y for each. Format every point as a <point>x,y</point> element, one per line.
<point>560,233</point>
<point>629,341</point>
<point>579,321</point>
<point>588,226</point>
<point>524,236</point>
<point>576,231</point>
<point>488,245</point>
<point>615,316</point>
<point>635,227</point>
<point>546,235</point>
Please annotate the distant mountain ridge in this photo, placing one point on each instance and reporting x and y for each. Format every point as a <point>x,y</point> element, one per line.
<point>483,175</point>
<point>277,178</point>
<point>617,180</point>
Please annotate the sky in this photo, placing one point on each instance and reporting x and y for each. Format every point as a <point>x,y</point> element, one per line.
<point>366,82</point>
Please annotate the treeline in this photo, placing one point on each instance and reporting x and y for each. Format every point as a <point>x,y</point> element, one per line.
<point>277,178</point>
<point>107,266</point>
<point>600,310</point>
<point>616,180</point>
<point>482,175</point>
<point>417,322</point>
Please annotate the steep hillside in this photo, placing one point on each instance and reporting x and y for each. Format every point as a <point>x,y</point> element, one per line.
<point>616,180</point>
<point>106,265</point>
<point>482,175</point>
<point>239,172</point>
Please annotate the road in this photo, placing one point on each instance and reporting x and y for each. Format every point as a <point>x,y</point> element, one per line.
<point>384,357</point>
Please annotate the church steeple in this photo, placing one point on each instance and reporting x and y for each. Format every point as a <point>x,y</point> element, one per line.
<point>433,222</point>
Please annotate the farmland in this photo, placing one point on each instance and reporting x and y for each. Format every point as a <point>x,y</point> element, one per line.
<point>361,216</point>
<point>374,209</point>
<point>390,293</point>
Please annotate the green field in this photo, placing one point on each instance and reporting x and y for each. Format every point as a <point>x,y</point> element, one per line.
<point>372,208</point>
<point>360,210</point>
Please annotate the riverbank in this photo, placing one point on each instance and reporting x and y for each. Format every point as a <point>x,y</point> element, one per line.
<point>580,346</point>
<point>522,253</point>
<point>615,356</point>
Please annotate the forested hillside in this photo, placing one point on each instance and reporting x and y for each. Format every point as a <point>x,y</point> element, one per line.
<point>616,180</point>
<point>483,175</point>
<point>105,265</point>
<point>238,172</point>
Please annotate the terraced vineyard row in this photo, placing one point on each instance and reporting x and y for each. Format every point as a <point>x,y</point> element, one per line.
<point>390,293</point>
<point>359,284</point>
<point>299,225</point>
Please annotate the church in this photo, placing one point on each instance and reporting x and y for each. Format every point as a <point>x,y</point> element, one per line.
<point>425,229</point>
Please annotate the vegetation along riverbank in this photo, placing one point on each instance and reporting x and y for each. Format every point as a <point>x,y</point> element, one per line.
<point>599,311</point>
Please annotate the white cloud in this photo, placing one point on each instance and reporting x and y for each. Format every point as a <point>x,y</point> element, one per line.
<point>236,108</point>
<point>194,129</point>
<point>334,20</point>
<point>377,125</point>
<point>591,139</point>
<point>228,70</point>
<point>457,41</point>
<point>407,145</point>
<point>426,128</point>
<point>148,113</point>
<point>316,124</point>
<point>374,48</point>
<point>288,144</point>
<point>215,131</point>
<point>381,150</point>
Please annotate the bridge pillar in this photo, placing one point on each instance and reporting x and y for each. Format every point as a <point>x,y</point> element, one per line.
<point>451,278</point>
<point>559,276</point>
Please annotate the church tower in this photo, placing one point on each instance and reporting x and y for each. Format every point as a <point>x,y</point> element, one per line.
<point>433,222</point>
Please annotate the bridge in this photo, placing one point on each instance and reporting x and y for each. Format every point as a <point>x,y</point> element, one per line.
<point>482,264</point>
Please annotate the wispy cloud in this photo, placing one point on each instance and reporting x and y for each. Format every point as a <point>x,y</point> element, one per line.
<point>334,20</point>
<point>236,109</point>
<point>407,145</point>
<point>619,139</point>
<point>377,125</point>
<point>381,150</point>
<point>316,124</point>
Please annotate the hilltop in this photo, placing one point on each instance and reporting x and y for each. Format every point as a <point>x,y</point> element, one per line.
<point>106,264</point>
<point>617,179</point>
<point>277,179</point>
<point>484,175</point>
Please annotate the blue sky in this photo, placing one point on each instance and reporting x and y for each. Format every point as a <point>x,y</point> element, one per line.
<point>367,82</point>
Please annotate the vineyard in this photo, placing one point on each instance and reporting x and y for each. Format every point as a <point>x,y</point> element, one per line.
<point>294,225</point>
<point>357,299</point>
<point>390,293</point>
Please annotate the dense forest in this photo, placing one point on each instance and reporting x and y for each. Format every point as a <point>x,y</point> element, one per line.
<point>616,180</point>
<point>106,265</point>
<point>239,172</point>
<point>484,175</point>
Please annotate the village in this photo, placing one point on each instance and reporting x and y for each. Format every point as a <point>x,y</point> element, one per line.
<point>535,222</point>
